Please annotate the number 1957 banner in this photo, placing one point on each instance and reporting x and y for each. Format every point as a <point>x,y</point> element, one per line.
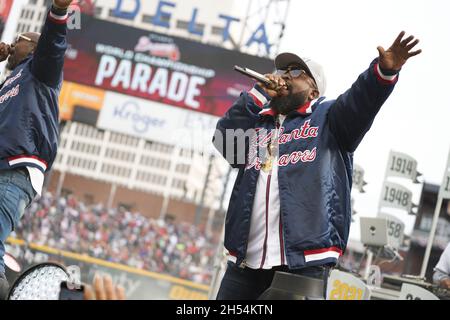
<point>157,67</point>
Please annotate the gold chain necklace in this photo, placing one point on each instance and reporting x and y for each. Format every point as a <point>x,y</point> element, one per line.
<point>272,148</point>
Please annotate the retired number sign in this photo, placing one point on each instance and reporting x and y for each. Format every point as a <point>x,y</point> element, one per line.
<point>358,177</point>
<point>446,186</point>
<point>402,165</point>
<point>395,229</point>
<point>396,196</point>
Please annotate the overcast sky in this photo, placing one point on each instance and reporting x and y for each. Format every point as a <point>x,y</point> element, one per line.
<point>343,36</point>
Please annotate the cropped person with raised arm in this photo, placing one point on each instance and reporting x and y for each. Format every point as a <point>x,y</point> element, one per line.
<point>29,118</point>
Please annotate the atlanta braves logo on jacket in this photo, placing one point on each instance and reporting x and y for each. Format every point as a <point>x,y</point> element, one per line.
<point>262,138</point>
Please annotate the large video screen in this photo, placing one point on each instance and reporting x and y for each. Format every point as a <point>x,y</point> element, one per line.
<point>157,67</point>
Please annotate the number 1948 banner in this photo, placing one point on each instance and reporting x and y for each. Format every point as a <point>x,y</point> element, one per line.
<point>157,67</point>
<point>396,196</point>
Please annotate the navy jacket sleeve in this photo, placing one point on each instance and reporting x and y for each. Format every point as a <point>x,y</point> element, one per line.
<point>237,124</point>
<point>48,58</point>
<point>353,113</point>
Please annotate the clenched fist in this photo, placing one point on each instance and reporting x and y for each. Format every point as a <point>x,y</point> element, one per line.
<point>278,84</point>
<point>62,4</point>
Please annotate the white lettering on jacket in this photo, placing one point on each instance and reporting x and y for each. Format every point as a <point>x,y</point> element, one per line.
<point>9,94</point>
<point>262,138</point>
<point>13,79</point>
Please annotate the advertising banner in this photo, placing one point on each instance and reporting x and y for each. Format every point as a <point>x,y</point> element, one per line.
<point>157,67</point>
<point>155,121</point>
<point>75,95</point>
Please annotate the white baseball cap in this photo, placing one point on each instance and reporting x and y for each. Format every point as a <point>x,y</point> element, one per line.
<point>312,68</point>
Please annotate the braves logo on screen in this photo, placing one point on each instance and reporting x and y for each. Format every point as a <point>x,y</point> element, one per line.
<point>158,49</point>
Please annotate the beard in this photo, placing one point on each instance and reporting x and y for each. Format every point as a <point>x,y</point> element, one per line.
<point>292,101</point>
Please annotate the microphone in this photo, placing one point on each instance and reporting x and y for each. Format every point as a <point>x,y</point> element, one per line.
<point>253,74</point>
<point>258,77</point>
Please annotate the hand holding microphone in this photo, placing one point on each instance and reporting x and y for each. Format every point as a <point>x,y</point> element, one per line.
<point>271,83</point>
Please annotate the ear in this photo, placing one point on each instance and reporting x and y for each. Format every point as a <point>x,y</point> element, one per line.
<point>313,94</point>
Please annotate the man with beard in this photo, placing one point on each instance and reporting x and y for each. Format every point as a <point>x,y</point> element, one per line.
<point>290,207</point>
<point>29,118</point>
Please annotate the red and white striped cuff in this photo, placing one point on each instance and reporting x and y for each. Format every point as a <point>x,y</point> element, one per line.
<point>258,97</point>
<point>384,78</point>
<point>57,18</point>
<point>14,161</point>
<point>267,112</point>
<point>320,254</point>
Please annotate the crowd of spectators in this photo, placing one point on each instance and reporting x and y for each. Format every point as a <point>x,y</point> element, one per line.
<point>118,235</point>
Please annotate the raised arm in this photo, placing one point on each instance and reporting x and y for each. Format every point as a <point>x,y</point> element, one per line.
<point>354,111</point>
<point>48,58</point>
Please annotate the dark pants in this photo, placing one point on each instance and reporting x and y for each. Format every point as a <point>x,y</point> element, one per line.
<point>249,284</point>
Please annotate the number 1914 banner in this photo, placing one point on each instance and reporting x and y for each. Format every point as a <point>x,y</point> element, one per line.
<point>402,165</point>
<point>157,67</point>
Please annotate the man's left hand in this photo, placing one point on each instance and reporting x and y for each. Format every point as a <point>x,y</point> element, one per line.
<point>400,51</point>
<point>62,4</point>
